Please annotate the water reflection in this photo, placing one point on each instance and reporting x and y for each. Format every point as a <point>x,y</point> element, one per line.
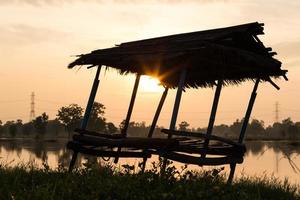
<point>280,158</point>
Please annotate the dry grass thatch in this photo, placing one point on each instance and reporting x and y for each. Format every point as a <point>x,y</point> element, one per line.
<point>233,54</point>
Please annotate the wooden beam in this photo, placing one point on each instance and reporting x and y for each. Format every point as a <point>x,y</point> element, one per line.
<point>213,150</point>
<point>176,108</point>
<point>87,112</point>
<point>93,133</point>
<point>91,99</point>
<point>183,158</point>
<point>248,112</point>
<point>95,152</point>
<point>130,108</point>
<point>244,126</point>
<point>131,142</point>
<point>177,100</point>
<point>200,135</point>
<point>213,114</point>
<point>154,121</point>
<point>157,113</point>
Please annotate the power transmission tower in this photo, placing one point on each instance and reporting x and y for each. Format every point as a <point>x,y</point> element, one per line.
<point>276,112</point>
<point>32,112</point>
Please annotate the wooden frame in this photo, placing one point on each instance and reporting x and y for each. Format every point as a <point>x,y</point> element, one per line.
<point>129,112</point>
<point>213,114</point>
<point>244,126</point>
<point>87,112</point>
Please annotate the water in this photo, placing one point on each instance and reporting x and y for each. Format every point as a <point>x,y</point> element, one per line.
<point>273,158</point>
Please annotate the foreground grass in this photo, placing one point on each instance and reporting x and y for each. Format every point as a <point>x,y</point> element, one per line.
<point>27,182</point>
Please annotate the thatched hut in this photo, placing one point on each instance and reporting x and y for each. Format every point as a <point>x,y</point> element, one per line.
<point>232,54</point>
<point>190,60</point>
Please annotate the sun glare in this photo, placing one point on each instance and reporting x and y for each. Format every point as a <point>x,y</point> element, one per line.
<point>149,84</point>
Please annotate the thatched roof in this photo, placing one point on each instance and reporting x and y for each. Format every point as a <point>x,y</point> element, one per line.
<point>233,54</point>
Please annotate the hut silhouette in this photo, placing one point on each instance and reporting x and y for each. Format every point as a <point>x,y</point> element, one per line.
<point>211,58</point>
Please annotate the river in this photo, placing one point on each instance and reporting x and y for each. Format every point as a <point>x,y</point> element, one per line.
<point>272,158</point>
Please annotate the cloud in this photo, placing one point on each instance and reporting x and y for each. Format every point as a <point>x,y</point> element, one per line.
<point>21,34</point>
<point>60,2</point>
<point>289,52</point>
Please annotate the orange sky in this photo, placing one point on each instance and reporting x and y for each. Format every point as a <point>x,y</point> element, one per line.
<point>39,37</point>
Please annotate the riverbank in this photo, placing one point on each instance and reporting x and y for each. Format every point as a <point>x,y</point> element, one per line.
<point>27,182</point>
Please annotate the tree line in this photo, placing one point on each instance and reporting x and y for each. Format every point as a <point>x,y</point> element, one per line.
<point>70,117</point>
<point>67,119</point>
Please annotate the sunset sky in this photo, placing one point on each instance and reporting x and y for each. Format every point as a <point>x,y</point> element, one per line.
<point>40,37</point>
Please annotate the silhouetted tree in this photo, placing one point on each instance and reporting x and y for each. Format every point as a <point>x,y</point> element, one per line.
<point>27,128</point>
<point>96,120</point>
<point>54,127</point>
<point>236,127</point>
<point>70,116</point>
<point>256,129</point>
<point>111,128</point>
<point>222,130</point>
<point>12,128</point>
<point>19,124</point>
<point>1,128</point>
<point>290,128</point>
<point>183,126</point>
<point>40,123</point>
<point>130,125</point>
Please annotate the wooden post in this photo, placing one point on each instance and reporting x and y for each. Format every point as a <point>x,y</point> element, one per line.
<point>157,113</point>
<point>91,100</point>
<point>177,101</point>
<point>154,121</point>
<point>213,114</point>
<point>248,112</point>
<point>175,110</point>
<point>129,112</point>
<point>244,126</point>
<point>130,108</point>
<point>87,112</point>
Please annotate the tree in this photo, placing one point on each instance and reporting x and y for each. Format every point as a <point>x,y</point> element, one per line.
<point>111,128</point>
<point>40,123</point>
<point>27,128</point>
<point>12,128</point>
<point>130,124</point>
<point>222,130</point>
<point>256,129</point>
<point>290,128</point>
<point>183,126</point>
<point>19,125</point>
<point>97,122</point>
<point>236,127</point>
<point>54,127</point>
<point>1,127</point>
<point>70,116</point>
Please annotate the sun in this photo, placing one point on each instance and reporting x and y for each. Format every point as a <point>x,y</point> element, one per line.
<point>150,85</point>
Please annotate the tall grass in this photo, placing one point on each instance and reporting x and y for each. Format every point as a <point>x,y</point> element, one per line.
<point>127,182</point>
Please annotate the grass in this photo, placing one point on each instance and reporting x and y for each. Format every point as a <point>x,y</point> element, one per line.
<point>107,182</point>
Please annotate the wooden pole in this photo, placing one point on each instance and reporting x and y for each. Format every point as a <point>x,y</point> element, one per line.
<point>177,101</point>
<point>244,126</point>
<point>213,114</point>
<point>248,112</point>
<point>175,110</point>
<point>129,112</point>
<point>157,113</point>
<point>91,100</point>
<point>130,108</point>
<point>87,112</point>
<point>154,121</point>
